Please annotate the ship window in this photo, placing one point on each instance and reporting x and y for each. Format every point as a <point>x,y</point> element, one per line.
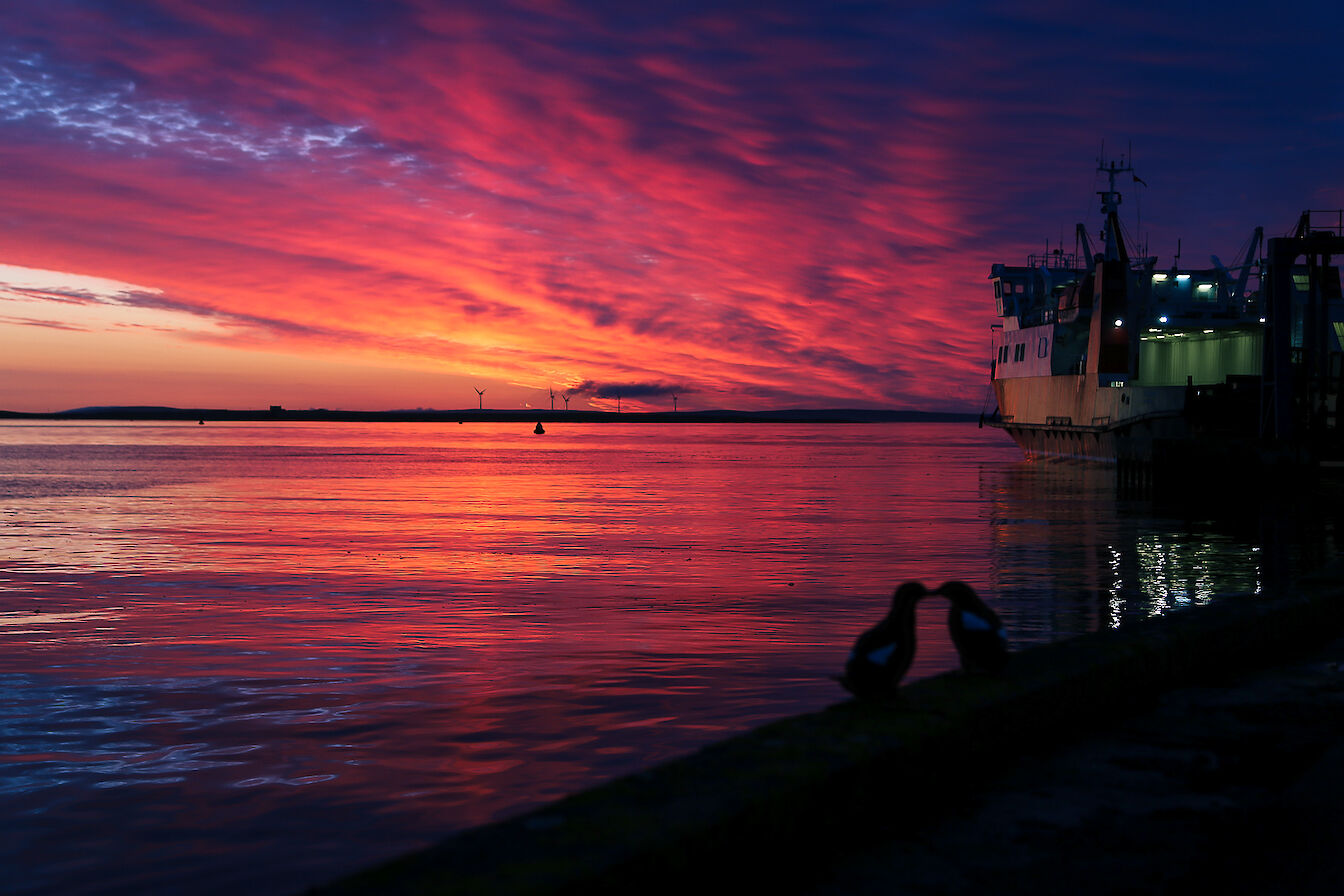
<point>998,289</point>
<point>1042,347</point>
<point>1020,351</point>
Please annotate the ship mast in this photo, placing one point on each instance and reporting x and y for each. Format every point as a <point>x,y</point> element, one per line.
<point>1110,207</point>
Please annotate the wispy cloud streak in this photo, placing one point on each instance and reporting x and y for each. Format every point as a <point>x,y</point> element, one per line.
<point>793,203</point>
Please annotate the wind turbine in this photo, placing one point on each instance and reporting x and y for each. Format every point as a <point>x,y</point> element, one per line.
<point>480,398</point>
<point>552,399</point>
<point>566,397</point>
<point>674,402</point>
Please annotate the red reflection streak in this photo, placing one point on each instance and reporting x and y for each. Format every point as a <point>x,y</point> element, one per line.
<point>468,708</point>
<point>686,555</point>
<point>427,627</point>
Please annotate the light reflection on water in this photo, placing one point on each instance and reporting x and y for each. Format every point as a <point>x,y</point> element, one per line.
<point>259,656</point>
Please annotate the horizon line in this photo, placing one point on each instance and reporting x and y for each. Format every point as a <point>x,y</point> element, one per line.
<point>279,413</point>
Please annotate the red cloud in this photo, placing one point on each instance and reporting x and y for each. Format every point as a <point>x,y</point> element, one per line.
<point>780,209</point>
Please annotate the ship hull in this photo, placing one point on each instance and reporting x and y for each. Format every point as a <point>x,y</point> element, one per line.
<point>1076,417</point>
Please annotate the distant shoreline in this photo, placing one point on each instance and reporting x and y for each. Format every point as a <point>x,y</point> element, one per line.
<point>828,415</point>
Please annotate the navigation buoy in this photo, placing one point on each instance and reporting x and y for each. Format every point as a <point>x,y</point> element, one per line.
<point>539,430</point>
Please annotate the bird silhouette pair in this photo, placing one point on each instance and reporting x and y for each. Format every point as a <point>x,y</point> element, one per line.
<point>883,654</point>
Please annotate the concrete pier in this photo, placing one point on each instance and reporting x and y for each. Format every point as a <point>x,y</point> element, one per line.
<point>1201,747</point>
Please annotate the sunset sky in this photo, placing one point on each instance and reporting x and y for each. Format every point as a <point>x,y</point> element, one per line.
<point>750,205</point>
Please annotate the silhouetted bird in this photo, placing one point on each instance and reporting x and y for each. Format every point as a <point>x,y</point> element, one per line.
<point>883,654</point>
<point>976,630</point>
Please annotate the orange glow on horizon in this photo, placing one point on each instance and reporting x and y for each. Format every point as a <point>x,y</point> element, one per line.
<point>765,213</point>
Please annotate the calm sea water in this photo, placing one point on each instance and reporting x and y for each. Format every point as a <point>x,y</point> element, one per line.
<point>255,657</point>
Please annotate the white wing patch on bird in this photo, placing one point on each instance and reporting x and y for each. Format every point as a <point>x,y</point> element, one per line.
<point>882,654</point>
<point>972,621</point>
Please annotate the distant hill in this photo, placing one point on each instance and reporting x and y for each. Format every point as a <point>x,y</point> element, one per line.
<point>790,415</point>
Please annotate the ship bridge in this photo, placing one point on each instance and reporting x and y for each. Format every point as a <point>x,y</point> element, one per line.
<point>1031,295</point>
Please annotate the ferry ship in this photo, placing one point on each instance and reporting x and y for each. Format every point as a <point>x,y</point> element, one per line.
<point>1103,355</point>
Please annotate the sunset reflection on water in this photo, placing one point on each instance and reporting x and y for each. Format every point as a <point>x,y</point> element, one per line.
<point>280,652</point>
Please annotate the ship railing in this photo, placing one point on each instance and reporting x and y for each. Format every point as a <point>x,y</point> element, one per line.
<point>1055,259</point>
<point>1066,424</point>
<point>1317,220</point>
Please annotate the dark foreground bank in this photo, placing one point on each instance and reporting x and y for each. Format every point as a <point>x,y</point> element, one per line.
<point>1197,749</point>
